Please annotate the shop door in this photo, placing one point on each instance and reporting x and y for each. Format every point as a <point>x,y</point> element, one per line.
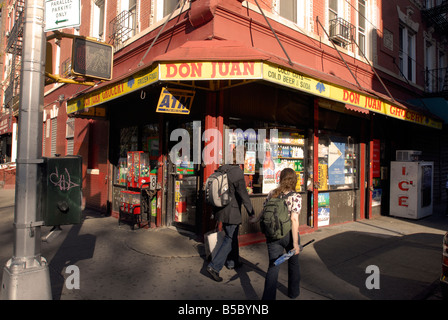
<point>368,203</point>
<point>184,179</point>
<point>97,166</point>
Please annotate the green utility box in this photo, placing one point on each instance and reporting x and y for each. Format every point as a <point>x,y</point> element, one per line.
<point>61,190</point>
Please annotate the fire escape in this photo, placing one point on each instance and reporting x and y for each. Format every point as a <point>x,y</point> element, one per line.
<point>437,17</point>
<point>14,49</point>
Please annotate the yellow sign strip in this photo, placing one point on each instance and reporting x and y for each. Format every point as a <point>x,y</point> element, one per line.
<point>215,70</point>
<point>292,79</point>
<point>412,116</point>
<point>295,80</point>
<point>245,70</point>
<point>135,82</point>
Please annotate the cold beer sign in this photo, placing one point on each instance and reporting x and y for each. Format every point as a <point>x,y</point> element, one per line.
<point>175,101</point>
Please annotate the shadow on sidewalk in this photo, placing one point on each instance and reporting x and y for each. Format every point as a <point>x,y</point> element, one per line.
<point>74,248</point>
<point>242,273</point>
<point>407,264</point>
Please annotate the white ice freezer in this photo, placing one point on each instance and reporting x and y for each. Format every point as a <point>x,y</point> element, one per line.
<point>411,189</point>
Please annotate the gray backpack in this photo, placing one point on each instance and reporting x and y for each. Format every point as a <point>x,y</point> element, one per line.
<point>217,189</point>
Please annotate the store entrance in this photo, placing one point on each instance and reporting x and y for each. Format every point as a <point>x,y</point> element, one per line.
<point>184,203</point>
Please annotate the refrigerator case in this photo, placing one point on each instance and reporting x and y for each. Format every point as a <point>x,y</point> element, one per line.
<point>411,189</point>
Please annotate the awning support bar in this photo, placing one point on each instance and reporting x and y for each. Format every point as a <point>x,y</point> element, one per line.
<point>275,35</point>
<point>340,55</point>
<point>160,32</point>
<point>377,75</point>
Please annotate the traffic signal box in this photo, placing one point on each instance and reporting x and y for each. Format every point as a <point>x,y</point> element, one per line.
<point>61,190</point>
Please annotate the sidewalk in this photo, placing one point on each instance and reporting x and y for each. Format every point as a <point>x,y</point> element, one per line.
<point>116,262</point>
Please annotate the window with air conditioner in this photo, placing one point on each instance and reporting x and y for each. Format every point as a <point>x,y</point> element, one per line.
<point>340,29</point>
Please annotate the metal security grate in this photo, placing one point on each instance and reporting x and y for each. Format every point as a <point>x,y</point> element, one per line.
<point>122,27</point>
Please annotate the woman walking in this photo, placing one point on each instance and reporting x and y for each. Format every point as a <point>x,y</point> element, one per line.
<point>285,190</point>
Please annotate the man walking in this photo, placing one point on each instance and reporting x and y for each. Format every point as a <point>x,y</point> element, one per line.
<point>230,216</point>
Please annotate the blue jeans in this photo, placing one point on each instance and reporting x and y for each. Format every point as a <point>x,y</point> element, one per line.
<point>275,250</point>
<point>228,252</point>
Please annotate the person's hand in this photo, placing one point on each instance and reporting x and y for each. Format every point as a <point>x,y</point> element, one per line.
<point>297,249</point>
<point>254,219</point>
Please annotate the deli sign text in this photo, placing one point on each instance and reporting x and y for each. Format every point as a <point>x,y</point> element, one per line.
<point>211,70</point>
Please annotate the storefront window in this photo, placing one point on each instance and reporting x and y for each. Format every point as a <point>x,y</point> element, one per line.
<point>138,146</point>
<point>183,161</point>
<point>268,150</point>
<point>150,139</point>
<point>186,175</point>
<point>150,144</point>
<point>338,162</point>
<point>130,141</point>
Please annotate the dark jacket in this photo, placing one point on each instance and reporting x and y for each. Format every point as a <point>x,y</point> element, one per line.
<point>231,214</point>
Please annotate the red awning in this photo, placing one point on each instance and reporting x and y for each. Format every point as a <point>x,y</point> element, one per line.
<point>357,109</point>
<point>230,50</point>
<point>213,50</point>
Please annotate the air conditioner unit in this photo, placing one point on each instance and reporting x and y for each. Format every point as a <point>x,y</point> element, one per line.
<point>340,30</point>
<point>408,155</point>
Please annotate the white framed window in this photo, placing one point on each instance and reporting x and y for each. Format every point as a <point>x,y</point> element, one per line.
<point>443,69</point>
<point>54,131</point>
<point>99,11</point>
<point>57,62</point>
<point>70,146</point>
<point>164,7</point>
<point>47,128</point>
<point>430,67</point>
<point>132,9</point>
<point>366,29</point>
<point>297,11</point>
<point>70,128</point>
<point>334,7</point>
<point>407,53</point>
<point>361,35</point>
<point>129,18</point>
<point>70,135</point>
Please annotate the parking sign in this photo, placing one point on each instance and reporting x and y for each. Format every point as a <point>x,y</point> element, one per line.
<point>60,14</point>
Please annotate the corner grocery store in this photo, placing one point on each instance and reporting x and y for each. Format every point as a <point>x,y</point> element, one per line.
<point>337,137</point>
